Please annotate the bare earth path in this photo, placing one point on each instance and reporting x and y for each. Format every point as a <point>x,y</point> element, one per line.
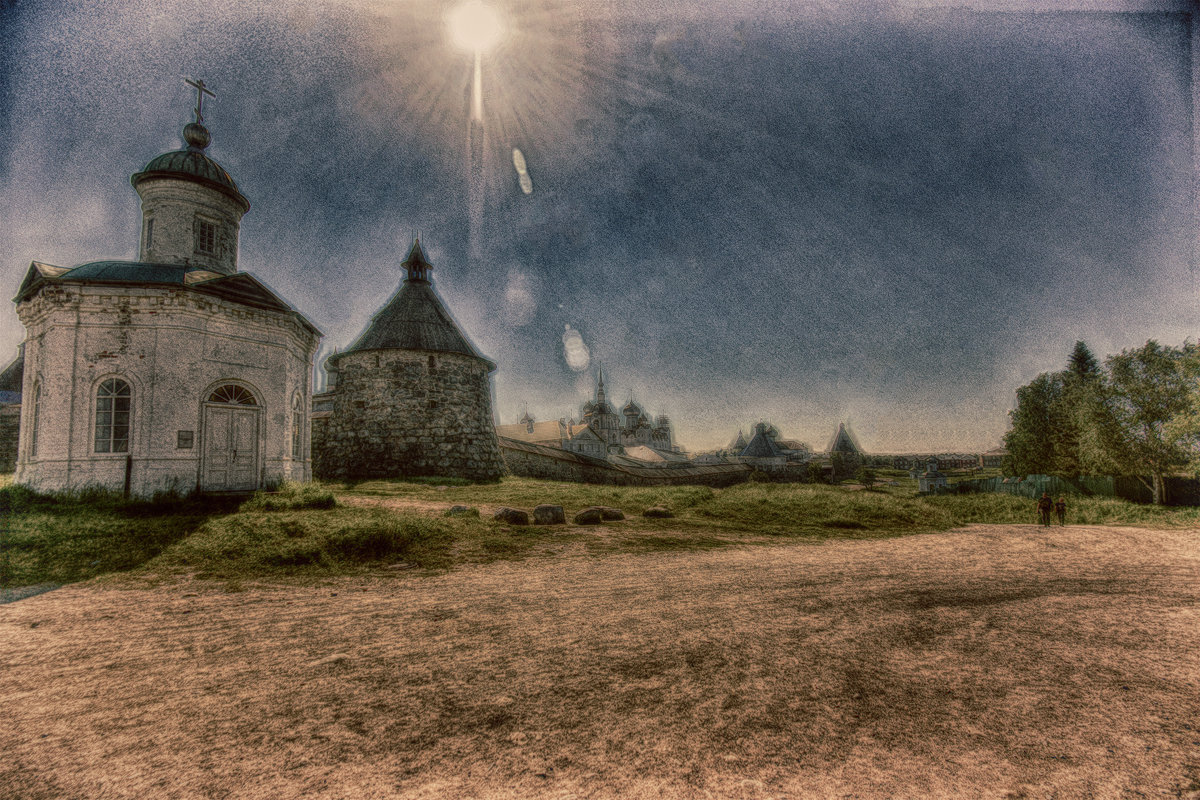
<point>995,661</point>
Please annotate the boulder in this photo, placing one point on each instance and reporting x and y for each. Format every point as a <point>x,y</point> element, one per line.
<point>549,515</point>
<point>513,516</point>
<point>589,516</point>
<point>610,513</point>
<point>658,512</point>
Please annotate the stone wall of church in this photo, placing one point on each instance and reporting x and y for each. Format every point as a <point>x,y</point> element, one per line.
<point>408,412</point>
<point>177,207</point>
<point>173,346</point>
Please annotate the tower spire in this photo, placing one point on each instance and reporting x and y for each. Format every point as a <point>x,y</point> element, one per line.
<point>417,265</point>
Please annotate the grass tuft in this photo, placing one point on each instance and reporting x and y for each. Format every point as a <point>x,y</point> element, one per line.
<point>292,497</point>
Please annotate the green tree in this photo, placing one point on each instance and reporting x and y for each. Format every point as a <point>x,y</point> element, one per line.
<point>865,476</point>
<point>816,473</point>
<point>1038,415</point>
<point>1140,421</point>
<point>1075,413</point>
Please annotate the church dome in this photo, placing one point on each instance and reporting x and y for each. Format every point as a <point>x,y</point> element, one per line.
<point>192,164</point>
<point>631,409</point>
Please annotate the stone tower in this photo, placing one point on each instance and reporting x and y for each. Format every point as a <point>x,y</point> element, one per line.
<point>411,396</point>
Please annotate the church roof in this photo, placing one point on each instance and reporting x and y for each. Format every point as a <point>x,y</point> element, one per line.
<point>843,442</point>
<point>12,377</point>
<point>192,165</point>
<point>415,319</point>
<point>762,444</point>
<point>240,287</point>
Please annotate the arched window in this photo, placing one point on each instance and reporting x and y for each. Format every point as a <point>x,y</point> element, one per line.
<point>113,405</point>
<point>297,427</point>
<point>233,395</point>
<point>33,418</point>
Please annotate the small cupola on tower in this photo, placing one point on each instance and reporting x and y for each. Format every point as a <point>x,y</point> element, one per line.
<point>416,265</point>
<point>191,208</point>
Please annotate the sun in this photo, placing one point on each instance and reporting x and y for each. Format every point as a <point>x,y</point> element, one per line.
<point>475,26</point>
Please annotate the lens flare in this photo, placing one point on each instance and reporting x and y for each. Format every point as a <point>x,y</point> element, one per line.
<point>475,26</point>
<point>575,351</point>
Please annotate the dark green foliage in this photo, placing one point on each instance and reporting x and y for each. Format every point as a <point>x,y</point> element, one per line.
<point>1082,365</point>
<point>865,476</point>
<point>1147,391</point>
<point>1034,422</point>
<point>1134,418</point>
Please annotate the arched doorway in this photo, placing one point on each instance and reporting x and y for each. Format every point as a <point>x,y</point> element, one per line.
<point>230,458</point>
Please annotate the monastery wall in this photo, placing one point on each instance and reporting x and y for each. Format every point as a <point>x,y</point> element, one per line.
<point>550,463</point>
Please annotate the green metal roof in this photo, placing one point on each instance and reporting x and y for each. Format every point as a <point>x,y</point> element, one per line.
<point>130,272</point>
<point>191,164</point>
<point>240,287</point>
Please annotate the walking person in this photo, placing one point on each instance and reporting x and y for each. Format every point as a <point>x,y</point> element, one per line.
<point>1044,504</point>
<point>1060,508</point>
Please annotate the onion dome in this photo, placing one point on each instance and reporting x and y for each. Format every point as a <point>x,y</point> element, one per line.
<point>192,165</point>
<point>631,409</point>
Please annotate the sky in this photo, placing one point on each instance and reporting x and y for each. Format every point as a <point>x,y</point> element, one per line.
<point>803,213</point>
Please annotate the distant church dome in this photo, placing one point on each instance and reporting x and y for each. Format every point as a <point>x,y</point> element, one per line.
<point>192,164</point>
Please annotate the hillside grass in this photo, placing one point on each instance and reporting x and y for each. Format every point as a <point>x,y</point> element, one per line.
<point>303,532</point>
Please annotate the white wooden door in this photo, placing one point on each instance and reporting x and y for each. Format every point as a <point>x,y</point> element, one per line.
<point>230,448</point>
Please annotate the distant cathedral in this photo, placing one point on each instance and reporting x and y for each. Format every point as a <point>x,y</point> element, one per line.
<point>601,431</point>
<point>630,428</point>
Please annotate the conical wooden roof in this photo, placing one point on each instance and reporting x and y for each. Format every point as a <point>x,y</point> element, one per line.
<point>415,318</point>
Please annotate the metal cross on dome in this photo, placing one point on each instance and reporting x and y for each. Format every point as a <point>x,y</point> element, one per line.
<point>201,90</point>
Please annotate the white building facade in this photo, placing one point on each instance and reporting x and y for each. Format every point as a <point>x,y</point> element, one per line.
<point>173,373</point>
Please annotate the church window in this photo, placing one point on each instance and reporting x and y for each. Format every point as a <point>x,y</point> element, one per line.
<point>113,405</point>
<point>33,418</point>
<point>149,233</point>
<point>297,427</point>
<point>206,237</point>
<point>232,394</point>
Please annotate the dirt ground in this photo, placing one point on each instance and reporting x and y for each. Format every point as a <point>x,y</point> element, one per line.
<point>989,662</point>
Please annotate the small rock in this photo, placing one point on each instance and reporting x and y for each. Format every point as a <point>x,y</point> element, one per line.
<point>454,511</point>
<point>401,565</point>
<point>610,513</point>
<point>658,512</point>
<point>513,516</point>
<point>589,516</point>
<point>441,488</point>
<point>549,515</point>
<point>336,658</point>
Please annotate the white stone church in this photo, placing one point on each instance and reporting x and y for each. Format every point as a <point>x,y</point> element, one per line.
<point>173,372</point>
